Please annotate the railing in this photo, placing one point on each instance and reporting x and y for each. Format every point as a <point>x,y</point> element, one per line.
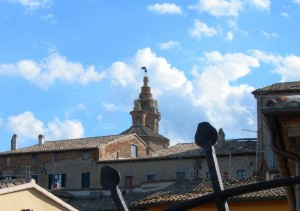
<point>206,136</point>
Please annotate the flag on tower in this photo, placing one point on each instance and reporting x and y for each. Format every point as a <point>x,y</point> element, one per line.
<point>144,68</point>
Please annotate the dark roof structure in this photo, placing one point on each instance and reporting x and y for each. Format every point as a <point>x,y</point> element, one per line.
<point>142,131</point>
<point>277,88</point>
<point>69,144</point>
<point>185,190</point>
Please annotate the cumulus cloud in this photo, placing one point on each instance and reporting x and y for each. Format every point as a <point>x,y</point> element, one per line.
<point>222,101</point>
<point>66,129</point>
<point>201,29</point>
<point>218,8</point>
<point>54,67</point>
<point>33,4</point>
<point>27,126</point>
<point>171,9</point>
<point>210,92</point>
<point>168,45</point>
<point>288,67</point>
<point>228,8</point>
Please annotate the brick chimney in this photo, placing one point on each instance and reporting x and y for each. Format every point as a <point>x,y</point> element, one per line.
<point>41,139</point>
<point>14,142</point>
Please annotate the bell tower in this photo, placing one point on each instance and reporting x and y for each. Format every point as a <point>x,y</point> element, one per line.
<point>146,117</point>
<point>145,110</point>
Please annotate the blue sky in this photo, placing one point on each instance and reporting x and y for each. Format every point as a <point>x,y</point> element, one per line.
<point>71,69</point>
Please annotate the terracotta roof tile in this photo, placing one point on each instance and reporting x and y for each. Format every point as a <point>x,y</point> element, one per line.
<point>286,87</point>
<point>235,146</point>
<point>68,144</point>
<point>186,190</point>
<point>142,131</point>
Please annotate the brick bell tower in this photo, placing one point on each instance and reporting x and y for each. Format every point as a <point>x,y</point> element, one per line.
<point>145,110</point>
<point>146,117</point>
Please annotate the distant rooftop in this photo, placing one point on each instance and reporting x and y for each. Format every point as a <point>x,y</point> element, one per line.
<point>278,88</point>
<point>68,144</point>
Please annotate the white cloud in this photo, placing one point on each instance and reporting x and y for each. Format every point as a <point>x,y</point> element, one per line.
<point>122,73</point>
<point>27,126</point>
<point>201,29</point>
<point>207,95</point>
<point>165,8</point>
<point>261,4</point>
<point>67,129</point>
<point>168,45</point>
<point>53,68</point>
<point>49,18</point>
<point>297,1</point>
<point>269,35</point>
<point>33,4</point>
<point>285,14</point>
<point>229,36</point>
<point>219,8</point>
<point>288,67</point>
<point>228,8</point>
<point>224,103</point>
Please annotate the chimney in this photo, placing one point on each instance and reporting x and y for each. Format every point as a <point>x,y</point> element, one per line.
<point>41,139</point>
<point>14,142</point>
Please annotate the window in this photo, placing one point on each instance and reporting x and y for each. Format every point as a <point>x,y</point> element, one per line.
<point>208,175</point>
<point>85,155</point>
<point>128,182</point>
<point>57,157</point>
<point>85,180</point>
<point>150,177</point>
<point>180,175</point>
<point>138,121</point>
<point>34,158</point>
<point>7,177</point>
<point>7,161</point>
<point>241,174</point>
<point>35,177</point>
<point>57,179</point>
<point>133,151</point>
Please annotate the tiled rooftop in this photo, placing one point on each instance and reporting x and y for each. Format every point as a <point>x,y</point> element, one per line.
<point>286,87</point>
<point>186,190</point>
<point>193,150</point>
<point>69,144</point>
<point>11,183</point>
<point>142,131</point>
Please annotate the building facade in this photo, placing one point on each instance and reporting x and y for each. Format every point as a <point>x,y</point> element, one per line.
<point>272,96</point>
<point>186,161</point>
<point>68,163</point>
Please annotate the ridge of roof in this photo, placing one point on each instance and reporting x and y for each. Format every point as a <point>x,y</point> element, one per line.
<point>68,144</point>
<point>142,131</point>
<point>284,87</point>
